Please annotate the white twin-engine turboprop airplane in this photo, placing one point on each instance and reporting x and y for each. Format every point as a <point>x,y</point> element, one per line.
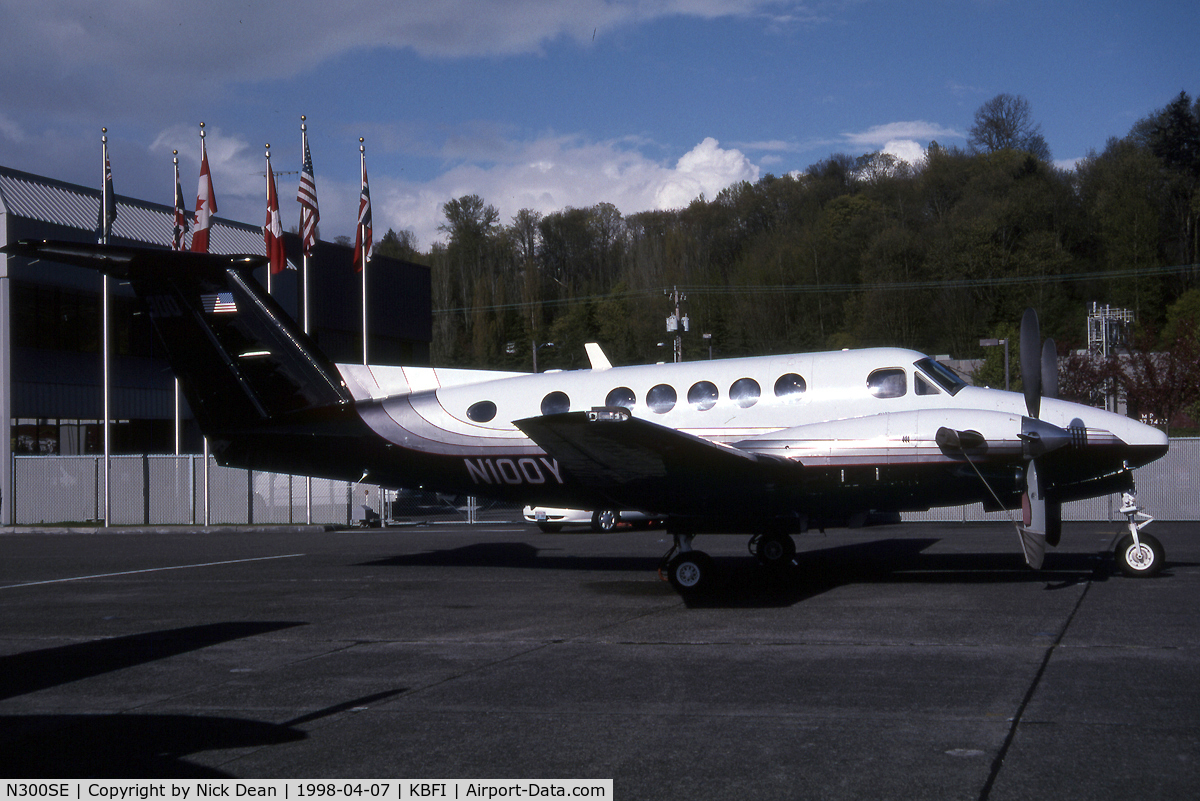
<point>767,446</point>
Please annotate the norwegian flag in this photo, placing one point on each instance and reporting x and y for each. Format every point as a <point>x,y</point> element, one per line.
<point>307,195</point>
<point>362,239</point>
<point>273,229</point>
<point>181,220</point>
<point>108,205</point>
<point>206,205</point>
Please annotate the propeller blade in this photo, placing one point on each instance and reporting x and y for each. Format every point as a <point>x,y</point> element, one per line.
<point>1033,519</point>
<point>1049,370</point>
<point>1031,361</point>
<point>1053,523</point>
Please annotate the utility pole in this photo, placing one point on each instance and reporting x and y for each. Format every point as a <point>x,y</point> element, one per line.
<point>676,323</point>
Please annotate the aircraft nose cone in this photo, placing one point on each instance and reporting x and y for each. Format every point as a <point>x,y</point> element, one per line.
<point>1153,444</point>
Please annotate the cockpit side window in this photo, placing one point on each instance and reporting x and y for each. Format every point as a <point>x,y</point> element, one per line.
<point>890,382</point>
<point>942,375</point>
<point>923,386</point>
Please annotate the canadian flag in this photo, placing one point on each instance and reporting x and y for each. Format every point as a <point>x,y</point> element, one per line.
<point>273,229</point>
<point>206,205</point>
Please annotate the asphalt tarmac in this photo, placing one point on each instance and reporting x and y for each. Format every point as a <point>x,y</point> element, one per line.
<point>909,661</point>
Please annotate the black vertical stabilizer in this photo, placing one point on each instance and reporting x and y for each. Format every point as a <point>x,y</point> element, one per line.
<point>242,362</point>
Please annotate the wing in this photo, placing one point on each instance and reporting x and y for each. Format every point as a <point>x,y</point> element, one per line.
<point>637,464</point>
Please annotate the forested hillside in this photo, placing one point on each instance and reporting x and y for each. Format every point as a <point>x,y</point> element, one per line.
<point>855,251</point>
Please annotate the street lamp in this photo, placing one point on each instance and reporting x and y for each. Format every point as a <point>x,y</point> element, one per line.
<point>991,343</point>
<point>536,347</point>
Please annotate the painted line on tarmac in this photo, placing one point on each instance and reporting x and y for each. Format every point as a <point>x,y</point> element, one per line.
<point>150,570</point>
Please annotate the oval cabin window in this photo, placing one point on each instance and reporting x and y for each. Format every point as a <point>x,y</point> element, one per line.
<point>703,395</point>
<point>745,392</point>
<point>482,412</point>
<point>556,403</point>
<point>661,399</point>
<point>621,396</point>
<point>790,386</point>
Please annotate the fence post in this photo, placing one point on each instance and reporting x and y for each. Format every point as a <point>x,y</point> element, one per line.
<point>96,489</point>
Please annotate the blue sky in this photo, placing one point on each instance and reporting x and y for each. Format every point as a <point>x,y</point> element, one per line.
<point>546,104</point>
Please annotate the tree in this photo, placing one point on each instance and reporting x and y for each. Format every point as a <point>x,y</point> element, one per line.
<point>401,245</point>
<point>1006,123</point>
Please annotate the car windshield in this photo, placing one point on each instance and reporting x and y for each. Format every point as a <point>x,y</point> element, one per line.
<point>941,374</point>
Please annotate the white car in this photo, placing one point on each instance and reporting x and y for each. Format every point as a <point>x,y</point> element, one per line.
<point>551,520</point>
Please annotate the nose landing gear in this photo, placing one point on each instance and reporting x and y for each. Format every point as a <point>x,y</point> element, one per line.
<point>1138,555</point>
<point>689,571</point>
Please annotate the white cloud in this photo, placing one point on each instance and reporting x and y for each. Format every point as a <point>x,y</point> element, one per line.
<point>880,135</point>
<point>905,150</point>
<point>10,129</point>
<point>706,169</point>
<point>554,173</point>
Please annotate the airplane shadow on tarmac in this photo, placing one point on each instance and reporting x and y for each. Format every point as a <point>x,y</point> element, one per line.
<point>128,746</point>
<point>743,582</point>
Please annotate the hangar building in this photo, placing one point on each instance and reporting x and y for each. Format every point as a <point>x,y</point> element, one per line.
<point>50,361</point>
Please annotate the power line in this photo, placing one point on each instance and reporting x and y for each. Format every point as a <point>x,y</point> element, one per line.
<point>735,290</point>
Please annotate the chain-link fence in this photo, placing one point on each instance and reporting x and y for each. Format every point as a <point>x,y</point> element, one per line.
<point>176,490</point>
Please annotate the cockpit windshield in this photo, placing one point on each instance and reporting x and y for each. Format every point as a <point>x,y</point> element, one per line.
<point>941,374</point>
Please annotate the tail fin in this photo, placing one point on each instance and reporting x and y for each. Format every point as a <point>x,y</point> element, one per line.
<point>242,362</point>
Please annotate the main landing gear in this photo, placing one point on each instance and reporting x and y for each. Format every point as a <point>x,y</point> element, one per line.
<point>773,549</point>
<point>1137,554</point>
<point>691,572</point>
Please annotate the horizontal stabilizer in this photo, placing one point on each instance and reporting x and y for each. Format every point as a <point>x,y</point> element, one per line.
<point>242,362</point>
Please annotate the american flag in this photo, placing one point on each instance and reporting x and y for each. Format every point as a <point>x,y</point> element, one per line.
<point>307,195</point>
<point>218,303</point>
<point>364,225</point>
<point>181,219</point>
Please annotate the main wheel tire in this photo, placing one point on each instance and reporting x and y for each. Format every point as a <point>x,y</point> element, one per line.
<point>775,550</point>
<point>1140,562</point>
<point>605,519</point>
<point>690,573</point>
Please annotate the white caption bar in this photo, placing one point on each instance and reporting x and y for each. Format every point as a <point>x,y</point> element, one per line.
<point>301,789</point>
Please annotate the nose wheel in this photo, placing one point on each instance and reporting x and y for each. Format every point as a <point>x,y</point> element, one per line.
<point>689,571</point>
<point>1138,555</point>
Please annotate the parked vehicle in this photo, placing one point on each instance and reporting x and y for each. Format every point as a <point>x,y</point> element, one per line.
<point>550,520</point>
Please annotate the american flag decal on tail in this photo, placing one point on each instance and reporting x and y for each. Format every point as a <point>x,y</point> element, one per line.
<point>218,303</point>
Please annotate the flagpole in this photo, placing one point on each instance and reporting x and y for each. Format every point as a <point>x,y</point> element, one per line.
<point>178,414</point>
<point>362,233</point>
<point>304,302</point>
<point>267,192</point>
<point>104,323</point>
<point>203,161</point>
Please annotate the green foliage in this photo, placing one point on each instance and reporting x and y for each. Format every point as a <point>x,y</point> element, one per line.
<point>853,252</point>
